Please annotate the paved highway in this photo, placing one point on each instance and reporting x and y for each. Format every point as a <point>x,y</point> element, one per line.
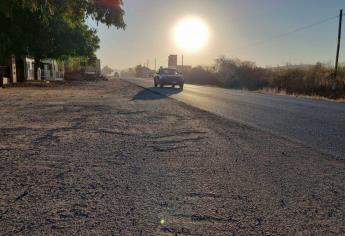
<point>317,124</point>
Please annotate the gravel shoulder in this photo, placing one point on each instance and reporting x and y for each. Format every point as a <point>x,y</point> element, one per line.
<point>110,158</point>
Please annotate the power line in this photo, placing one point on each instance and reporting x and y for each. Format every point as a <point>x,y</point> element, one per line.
<point>288,33</point>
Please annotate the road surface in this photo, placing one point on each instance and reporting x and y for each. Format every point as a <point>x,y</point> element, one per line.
<point>112,158</point>
<point>317,124</point>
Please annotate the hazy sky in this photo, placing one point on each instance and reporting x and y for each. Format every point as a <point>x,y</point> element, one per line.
<point>235,25</point>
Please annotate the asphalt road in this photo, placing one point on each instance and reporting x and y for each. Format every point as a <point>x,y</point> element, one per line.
<point>317,124</point>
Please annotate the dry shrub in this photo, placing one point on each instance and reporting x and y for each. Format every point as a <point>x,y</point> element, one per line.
<point>314,80</point>
<point>202,75</point>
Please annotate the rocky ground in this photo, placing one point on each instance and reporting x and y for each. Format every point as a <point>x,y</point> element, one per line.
<point>109,158</point>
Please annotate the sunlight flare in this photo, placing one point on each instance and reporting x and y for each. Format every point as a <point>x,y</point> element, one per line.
<point>191,34</point>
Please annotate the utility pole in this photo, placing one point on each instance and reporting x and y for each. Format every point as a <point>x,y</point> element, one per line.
<point>155,64</point>
<point>182,60</point>
<point>334,86</point>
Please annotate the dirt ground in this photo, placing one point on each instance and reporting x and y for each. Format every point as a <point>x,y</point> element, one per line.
<point>110,158</point>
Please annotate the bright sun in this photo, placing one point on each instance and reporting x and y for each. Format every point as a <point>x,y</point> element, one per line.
<point>191,34</point>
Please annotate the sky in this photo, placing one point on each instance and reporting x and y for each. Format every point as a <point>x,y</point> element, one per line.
<point>235,26</point>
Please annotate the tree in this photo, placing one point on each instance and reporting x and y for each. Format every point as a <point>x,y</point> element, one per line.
<point>109,12</point>
<point>54,28</point>
<point>139,69</point>
<point>107,70</point>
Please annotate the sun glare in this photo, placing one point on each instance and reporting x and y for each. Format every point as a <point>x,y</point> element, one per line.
<point>191,34</point>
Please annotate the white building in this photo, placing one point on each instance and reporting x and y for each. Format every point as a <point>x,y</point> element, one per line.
<point>51,71</point>
<point>29,68</point>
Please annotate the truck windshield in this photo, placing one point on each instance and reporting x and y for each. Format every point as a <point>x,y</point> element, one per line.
<point>169,72</point>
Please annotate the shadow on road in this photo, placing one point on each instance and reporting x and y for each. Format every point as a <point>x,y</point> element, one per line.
<point>156,93</point>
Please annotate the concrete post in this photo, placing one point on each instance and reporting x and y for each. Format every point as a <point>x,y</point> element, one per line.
<point>39,73</point>
<point>13,70</point>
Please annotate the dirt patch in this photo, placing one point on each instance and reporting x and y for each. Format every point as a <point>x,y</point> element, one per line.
<point>89,159</point>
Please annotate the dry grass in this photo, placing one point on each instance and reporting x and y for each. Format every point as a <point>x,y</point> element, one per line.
<point>274,91</point>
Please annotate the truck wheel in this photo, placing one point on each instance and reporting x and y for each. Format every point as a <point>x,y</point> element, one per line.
<point>156,85</point>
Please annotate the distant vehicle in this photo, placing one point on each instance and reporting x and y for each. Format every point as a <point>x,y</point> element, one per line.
<point>168,76</point>
<point>116,75</point>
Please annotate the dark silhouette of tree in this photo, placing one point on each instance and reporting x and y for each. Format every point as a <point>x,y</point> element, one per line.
<point>54,28</point>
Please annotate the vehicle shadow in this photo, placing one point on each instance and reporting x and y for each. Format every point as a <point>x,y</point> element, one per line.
<point>155,93</point>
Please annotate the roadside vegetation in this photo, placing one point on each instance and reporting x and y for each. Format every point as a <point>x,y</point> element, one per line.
<point>310,80</point>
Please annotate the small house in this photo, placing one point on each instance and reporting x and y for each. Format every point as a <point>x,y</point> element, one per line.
<point>50,70</point>
<point>25,69</point>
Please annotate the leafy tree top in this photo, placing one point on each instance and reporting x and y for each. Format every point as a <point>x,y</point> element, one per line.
<point>109,12</point>
<point>54,28</point>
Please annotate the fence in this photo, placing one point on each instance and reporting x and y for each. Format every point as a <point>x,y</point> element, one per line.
<point>52,75</point>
